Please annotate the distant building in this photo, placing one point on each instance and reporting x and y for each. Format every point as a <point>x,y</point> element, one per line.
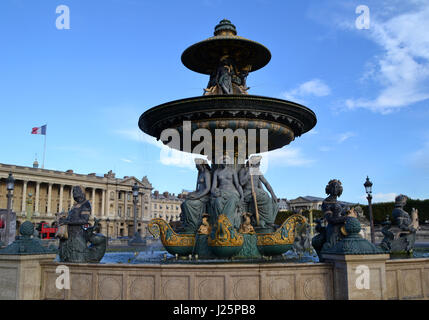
<point>310,203</point>
<point>283,205</point>
<point>111,198</point>
<point>166,206</point>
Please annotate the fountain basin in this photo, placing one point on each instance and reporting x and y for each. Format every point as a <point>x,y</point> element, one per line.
<point>284,120</point>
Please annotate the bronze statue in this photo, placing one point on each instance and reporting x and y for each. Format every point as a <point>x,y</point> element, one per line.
<point>226,193</point>
<point>224,75</point>
<point>196,202</point>
<point>335,217</point>
<point>205,227</point>
<point>264,208</point>
<point>73,247</point>
<point>400,236</point>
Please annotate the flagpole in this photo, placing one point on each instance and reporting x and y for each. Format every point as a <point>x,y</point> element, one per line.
<point>44,150</point>
<point>44,154</point>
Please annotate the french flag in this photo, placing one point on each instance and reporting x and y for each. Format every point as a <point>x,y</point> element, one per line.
<point>40,130</point>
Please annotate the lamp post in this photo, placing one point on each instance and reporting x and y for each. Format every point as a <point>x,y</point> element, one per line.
<point>10,185</point>
<point>368,190</point>
<point>137,238</point>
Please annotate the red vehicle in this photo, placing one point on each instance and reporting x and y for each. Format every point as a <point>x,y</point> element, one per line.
<point>47,232</point>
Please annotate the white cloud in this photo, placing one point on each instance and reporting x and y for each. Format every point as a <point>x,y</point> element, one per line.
<point>139,136</point>
<point>168,156</point>
<point>285,157</point>
<point>315,87</point>
<point>126,160</point>
<point>345,136</point>
<point>402,70</point>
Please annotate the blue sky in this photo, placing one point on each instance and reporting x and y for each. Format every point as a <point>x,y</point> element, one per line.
<point>368,88</point>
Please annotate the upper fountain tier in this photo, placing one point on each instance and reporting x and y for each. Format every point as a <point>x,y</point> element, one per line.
<point>228,59</point>
<point>203,57</point>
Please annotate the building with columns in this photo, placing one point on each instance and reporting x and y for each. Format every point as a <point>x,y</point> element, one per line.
<point>111,198</point>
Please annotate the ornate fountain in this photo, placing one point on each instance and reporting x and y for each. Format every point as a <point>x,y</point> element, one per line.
<point>230,214</point>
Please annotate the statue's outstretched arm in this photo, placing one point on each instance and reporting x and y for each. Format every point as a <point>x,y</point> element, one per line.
<point>244,176</point>
<point>268,186</point>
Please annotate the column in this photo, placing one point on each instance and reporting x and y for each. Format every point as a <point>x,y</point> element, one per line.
<point>24,197</point>
<point>71,197</point>
<point>116,203</point>
<point>49,212</point>
<point>93,202</point>
<point>37,200</point>
<point>61,197</point>
<point>126,205</point>
<point>103,203</point>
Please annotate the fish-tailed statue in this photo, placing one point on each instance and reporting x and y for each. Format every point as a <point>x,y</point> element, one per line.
<point>196,202</point>
<point>257,201</point>
<point>74,244</point>
<point>400,235</point>
<point>226,193</point>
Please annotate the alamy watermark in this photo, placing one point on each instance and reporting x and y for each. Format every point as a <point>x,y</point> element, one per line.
<point>363,21</point>
<point>236,144</point>
<point>63,20</point>
<point>63,280</point>
<point>363,278</point>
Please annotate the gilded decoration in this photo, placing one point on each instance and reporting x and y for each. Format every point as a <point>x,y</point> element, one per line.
<point>284,235</point>
<point>159,228</point>
<point>225,235</point>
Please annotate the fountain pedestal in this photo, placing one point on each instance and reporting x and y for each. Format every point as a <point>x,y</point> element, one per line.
<point>359,277</point>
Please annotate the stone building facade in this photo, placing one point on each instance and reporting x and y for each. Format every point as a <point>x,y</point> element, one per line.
<point>111,198</point>
<point>166,206</point>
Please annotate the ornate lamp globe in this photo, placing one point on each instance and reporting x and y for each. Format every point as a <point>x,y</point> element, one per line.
<point>368,186</point>
<point>136,190</point>
<point>10,182</point>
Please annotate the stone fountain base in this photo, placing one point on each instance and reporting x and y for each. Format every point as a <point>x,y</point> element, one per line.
<point>34,277</point>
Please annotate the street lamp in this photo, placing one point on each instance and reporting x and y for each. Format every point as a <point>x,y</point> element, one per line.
<point>368,190</point>
<point>10,185</point>
<point>137,238</point>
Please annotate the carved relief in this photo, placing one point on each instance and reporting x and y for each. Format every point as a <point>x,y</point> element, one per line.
<point>246,289</point>
<point>412,284</point>
<point>176,289</point>
<point>282,288</point>
<point>80,285</point>
<point>142,288</point>
<point>110,288</point>
<point>315,289</point>
<point>212,289</point>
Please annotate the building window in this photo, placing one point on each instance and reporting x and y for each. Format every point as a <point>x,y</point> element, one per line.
<point>128,197</point>
<point>155,206</point>
<point>120,195</point>
<point>119,211</point>
<point>128,211</point>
